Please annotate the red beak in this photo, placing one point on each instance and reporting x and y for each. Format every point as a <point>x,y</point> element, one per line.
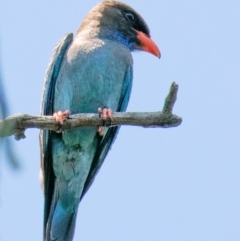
<point>147,44</point>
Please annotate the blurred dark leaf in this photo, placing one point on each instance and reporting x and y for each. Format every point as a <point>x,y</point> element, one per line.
<point>6,143</point>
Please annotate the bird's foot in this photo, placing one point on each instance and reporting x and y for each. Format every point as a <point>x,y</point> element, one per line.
<point>104,113</point>
<point>60,117</point>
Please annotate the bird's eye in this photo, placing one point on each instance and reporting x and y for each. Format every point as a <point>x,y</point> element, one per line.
<point>130,16</point>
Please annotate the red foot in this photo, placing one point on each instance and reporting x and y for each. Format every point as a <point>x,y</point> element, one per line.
<point>60,116</point>
<point>104,114</point>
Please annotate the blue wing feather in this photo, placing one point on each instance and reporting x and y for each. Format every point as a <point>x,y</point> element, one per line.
<point>47,109</point>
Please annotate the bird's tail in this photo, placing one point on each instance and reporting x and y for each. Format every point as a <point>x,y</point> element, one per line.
<point>61,225</point>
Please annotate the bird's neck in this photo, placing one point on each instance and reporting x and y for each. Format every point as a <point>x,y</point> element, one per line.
<point>88,29</point>
<point>97,27</point>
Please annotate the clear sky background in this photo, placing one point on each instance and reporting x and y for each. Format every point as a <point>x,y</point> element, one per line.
<point>179,184</point>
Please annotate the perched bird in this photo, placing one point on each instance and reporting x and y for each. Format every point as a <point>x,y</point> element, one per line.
<point>91,70</point>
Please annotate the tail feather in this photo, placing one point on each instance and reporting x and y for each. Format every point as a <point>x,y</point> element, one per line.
<point>62,225</point>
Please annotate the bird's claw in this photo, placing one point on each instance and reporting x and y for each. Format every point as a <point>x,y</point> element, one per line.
<point>104,113</point>
<point>60,117</point>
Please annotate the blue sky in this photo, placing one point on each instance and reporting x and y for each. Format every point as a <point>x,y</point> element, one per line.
<point>179,184</point>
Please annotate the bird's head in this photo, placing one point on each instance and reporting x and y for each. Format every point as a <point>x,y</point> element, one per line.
<point>119,22</point>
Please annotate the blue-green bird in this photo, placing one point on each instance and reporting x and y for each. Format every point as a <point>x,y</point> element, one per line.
<point>91,70</point>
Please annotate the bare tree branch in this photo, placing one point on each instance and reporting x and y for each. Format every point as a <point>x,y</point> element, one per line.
<point>17,124</point>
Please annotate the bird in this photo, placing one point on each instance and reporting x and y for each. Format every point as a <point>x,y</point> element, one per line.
<point>91,70</point>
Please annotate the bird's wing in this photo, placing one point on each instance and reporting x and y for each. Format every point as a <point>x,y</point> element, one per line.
<point>47,109</point>
<point>111,134</point>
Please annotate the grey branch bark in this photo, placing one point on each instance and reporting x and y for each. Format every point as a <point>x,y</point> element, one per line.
<point>17,124</point>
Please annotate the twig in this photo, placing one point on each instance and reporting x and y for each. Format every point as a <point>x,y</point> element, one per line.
<point>17,124</point>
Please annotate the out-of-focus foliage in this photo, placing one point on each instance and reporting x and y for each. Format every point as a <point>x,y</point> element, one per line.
<point>5,143</point>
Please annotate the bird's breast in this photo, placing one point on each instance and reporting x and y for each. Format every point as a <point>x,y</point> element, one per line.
<point>92,76</point>
<point>88,80</point>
